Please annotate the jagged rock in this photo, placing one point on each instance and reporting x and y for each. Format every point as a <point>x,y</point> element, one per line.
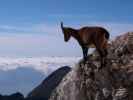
<point>113,82</point>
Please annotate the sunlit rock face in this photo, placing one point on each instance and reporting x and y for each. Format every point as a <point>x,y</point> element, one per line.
<point>113,82</point>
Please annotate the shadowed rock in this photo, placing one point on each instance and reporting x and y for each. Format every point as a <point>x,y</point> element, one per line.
<point>44,90</point>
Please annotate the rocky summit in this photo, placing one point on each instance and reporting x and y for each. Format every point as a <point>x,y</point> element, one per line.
<point>113,82</point>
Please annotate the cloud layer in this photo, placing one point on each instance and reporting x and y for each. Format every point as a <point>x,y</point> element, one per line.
<point>43,64</point>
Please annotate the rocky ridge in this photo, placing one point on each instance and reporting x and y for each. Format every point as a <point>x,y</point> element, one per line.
<point>113,82</point>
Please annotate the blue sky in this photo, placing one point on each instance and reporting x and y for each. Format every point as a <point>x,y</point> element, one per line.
<point>32,27</point>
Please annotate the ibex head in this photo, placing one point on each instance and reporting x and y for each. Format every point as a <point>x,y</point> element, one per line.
<point>66,31</point>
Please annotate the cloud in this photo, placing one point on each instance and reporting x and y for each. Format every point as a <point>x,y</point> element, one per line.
<point>31,29</point>
<point>42,64</point>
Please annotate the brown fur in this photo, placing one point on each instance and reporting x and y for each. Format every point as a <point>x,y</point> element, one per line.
<point>88,36</point>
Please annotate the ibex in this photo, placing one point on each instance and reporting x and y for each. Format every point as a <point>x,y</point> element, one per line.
<point>88,36</point>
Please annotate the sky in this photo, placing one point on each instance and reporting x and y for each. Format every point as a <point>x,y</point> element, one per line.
<point>31,28</point>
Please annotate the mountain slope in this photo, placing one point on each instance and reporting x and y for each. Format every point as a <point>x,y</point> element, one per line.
<point>113,82</point>
<point>45,89</point>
